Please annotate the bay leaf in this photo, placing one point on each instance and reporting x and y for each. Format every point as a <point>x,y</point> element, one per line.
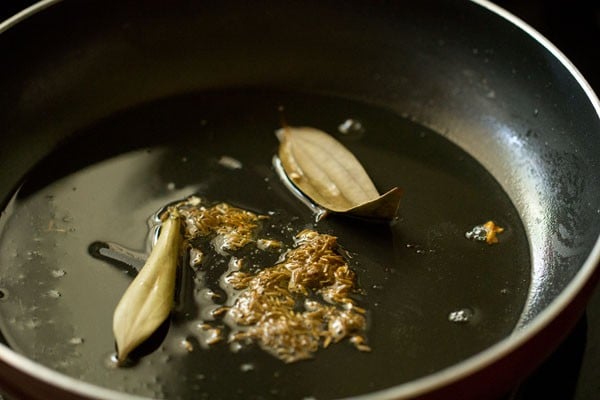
<point>331,176</point>
<point>148,300</point>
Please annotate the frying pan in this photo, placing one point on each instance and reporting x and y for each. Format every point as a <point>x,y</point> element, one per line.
<point>467,70</point>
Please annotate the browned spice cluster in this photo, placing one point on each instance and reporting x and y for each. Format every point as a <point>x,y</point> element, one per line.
<point>289,309</point>
<point>275,308</point>
<point>233,226</point>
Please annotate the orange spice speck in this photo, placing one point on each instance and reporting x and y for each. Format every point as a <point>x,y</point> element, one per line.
<point>491,230</point>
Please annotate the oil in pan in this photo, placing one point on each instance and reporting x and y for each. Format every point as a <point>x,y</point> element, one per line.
<point>432,297</point>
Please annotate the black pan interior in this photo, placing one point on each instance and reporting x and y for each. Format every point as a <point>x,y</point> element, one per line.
<point>453,67</point>
<point>433,297</point>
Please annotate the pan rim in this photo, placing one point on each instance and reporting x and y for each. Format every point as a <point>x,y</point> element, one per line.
<point>418,387</point>
<point>521,336</point>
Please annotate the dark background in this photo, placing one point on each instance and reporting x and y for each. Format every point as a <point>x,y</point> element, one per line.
<point>573,371</point>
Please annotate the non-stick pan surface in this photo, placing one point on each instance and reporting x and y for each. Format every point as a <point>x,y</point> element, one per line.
<point>457,68</point>
<point>434,297</point>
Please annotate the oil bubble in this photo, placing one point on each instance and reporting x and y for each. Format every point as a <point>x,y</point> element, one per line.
<point>230,162</point>
<point>478,233</point>
<point>462,316</point>
<point>76,340</point>
<point>53,294</point>
<point>111,361</point>
<point>58,273</point>
<point>235,347</point>
<point>247,367</point>
<point>31,254</point>
<point>196,256</point>
<point>350,126</point>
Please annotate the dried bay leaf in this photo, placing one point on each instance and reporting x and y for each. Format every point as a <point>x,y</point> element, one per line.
<point>331,176</point>
<point>149,298</point>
